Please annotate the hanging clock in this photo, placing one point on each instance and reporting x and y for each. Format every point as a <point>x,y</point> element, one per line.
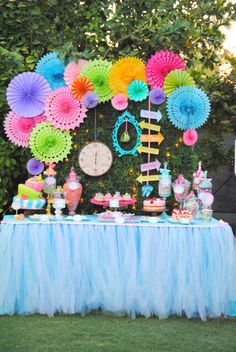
<point>95,158</point>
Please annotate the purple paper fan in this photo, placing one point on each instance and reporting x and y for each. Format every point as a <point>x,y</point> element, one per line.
<point>90,100</point>
<point>26,94</point>
<point>34,167</point>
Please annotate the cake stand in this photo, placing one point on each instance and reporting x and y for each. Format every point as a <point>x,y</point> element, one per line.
<point>106,204</point>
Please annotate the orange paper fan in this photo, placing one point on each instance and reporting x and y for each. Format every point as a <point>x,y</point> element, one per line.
<point>81,86</point>
<point>125,71</point>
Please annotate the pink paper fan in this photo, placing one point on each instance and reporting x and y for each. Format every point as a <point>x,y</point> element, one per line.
<point>18,128</point>
<point>72,71</point>
<point>63,110</point>
<point>119,102</point>
<point>190,137</point>
<point>160,64</point>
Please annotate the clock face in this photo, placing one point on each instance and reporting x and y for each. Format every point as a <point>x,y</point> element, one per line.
<point>95,159</point>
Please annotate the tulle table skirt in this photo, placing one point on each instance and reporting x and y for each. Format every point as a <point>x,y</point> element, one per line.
<point>150,270</point>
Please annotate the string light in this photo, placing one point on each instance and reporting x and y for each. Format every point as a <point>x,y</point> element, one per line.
<point>180,139</point>
<point>177,145</point>
<point>87,131</point>
<point>131,171</point>
<point>75,146</point>
<point>168,154</point>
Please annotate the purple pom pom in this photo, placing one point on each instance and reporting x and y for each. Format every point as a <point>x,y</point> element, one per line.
<point>90,100</point>
<point>34,167</point>
<point>157,96</point>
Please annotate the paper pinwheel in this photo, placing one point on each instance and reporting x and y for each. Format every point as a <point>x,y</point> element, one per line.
<point>119,102</point>
<point>18,128</point>
<point>90,100</point>
<point>160,64</point>
<point>125,71</point>
<point>52,69</point>
<point>97,72</point>
<point>188,108</point>
<point>176,79</point>
<point>72,71</point>
<point>157,96</point>
<point>48,144</point>
<point>137,90</point>
<point>34,166</point>
<point>63,110</point>
<point>26,94</point>
<point>81,86</point>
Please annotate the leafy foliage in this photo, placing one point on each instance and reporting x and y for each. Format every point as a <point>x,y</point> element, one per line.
<point>108,29</point>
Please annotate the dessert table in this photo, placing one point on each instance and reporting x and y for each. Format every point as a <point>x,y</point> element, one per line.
<point>132,268</point>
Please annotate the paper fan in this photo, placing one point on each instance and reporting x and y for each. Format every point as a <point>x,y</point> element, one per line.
<point>81,86</point>
<point>34,167</point>
<point>97,72</point>
<point>176,79</point>
<point>72,71</point>
<point>90,100</point>
<point>63,110</point>
<point>157,96</point>
<point>26,94</point>
<point>160,64</point>
<point>188,108</point>
<point>137,90</point>
<point>190,137</point>
<point>125,71</point>
<point>119,102</point>
<point>48,144</point>
<point>18,128</point>
<point>52,69</point>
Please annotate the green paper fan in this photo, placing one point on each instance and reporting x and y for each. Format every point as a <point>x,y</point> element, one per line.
<point>176,79</point>
<point>97,72</point>
<point>49,144</point>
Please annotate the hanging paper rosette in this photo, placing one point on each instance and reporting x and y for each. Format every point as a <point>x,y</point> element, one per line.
<point>63,110</point>
<point>160,64</point>
<point>119,102</point>
<point>72,71</point>
<point>49,144</point>
<point>137,90</point>
<point>81,86</point>
<point>97,72</point>
<point>157,96</point>
<point>176,79</point>
<point>34,167</point>
<point>90,100</point>
<point>123,72</point>
<point>190,137</point>
<point>26,94</point>
<point>52,69</point>
<point>18,128</point>
<point>188,108</point>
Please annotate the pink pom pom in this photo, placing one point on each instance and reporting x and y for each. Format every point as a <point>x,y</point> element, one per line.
<point>190,137</point>
<point>72,71</point>
<point>119,102</point>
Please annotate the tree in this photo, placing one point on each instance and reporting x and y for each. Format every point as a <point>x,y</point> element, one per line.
<point>108,29</point>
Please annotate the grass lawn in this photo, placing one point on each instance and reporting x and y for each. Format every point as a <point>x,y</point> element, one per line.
<point>98,332</point>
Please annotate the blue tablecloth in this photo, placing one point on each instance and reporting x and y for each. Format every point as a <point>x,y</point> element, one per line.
<point>161,269</point>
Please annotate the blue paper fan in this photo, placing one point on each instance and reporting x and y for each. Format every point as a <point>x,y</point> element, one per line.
<point>188,108</point>
<point>52,69</point>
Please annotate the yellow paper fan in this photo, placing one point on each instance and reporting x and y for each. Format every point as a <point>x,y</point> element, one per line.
<point>125,71</point>
<point>176,79</point>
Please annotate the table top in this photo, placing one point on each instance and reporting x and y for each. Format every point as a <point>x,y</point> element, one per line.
<point>94,220</point>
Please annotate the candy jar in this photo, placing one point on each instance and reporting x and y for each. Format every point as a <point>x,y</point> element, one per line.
<point>191,203</point>
<point>180,187</point>
<point>50,185</point>
<point>198,176</point>
<point>73,190</point>
<point>164,187</point>
<point>59,201</point>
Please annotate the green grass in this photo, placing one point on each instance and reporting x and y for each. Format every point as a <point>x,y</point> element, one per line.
<point>98,332</point>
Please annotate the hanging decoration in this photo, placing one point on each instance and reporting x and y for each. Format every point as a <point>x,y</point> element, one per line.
<point>63,110</point>
<point>190,137</point>
<point>90,100</point>
<point>175,79</point>
<point>34,167</point>
<point>126,117</point>
<point>52,69</point>
<point>81,86</point>
<point>157,96</point>
<point>137,90</point>
<point>49,144</point>
<point>97,72</point>
<point>18,128</point>
<point>72,71</point>
<point>119,102</point>
<point>26,94</point>
<point>123,72</point>
<point>188,108</point>
<point>160,64</point>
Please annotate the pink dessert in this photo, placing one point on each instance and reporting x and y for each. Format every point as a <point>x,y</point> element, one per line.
<point>126,197</point>
<point>154,204</point>
<point>36,183</point>
<point>107,197</point>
